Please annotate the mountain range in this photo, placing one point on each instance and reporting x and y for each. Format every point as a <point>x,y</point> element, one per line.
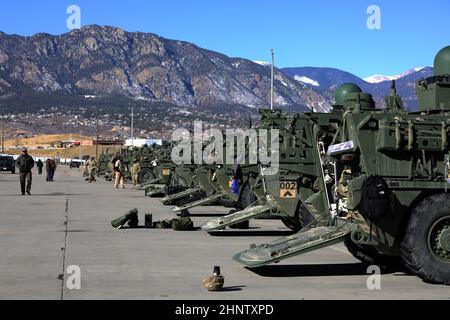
<point>100,61</point>
<point>326,80</point>
<point>104,61</point>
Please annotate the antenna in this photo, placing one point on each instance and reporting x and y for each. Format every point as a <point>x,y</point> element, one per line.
<point>393,89</point>
<point>132,127</point>
<point>272,52</point>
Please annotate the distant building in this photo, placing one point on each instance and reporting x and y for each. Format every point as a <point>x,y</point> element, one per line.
<point>108,142</point>
<point>142,142</point>
<point>87,142</point>
<point>100,142</point>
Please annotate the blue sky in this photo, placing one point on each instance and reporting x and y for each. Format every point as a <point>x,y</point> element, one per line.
<point>304,33</point>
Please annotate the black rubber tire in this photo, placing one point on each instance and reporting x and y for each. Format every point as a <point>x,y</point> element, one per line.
<point>292,223</point>
<point>240,225</point>
<point>247,197</point>
<point>305,217</point>
<point>370,256</point>
<point>146,175</point>
<point>415,250</point>
<point>227,203</point>
<point>302,217</point>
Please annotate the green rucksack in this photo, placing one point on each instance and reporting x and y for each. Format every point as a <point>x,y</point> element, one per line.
<point>182,224</point>
<point>163,224</point>
<point>131,217</point>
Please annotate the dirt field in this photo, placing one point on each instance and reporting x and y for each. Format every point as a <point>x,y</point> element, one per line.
<point>45,141</point>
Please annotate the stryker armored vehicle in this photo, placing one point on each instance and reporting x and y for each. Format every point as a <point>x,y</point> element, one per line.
<point>206,189</point>
<point>162,173</point>
<point>217,179</point>
<point>299,167</point>
<point>390,194</point>
<point>102,164</point>
<point>183,184</point>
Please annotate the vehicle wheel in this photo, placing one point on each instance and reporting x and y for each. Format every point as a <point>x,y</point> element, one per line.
<point>239,225</point>
<point>146,175</point>
<point>292,223</point>
<point>247,197</point>
<point>301,218</point>
<point>425,248</point>
<point>370,255</point>
<point>13,171</point>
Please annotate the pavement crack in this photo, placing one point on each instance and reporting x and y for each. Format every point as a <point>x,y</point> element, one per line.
<point>64,248</point>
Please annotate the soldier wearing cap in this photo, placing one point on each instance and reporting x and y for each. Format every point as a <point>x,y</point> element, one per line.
<point>25,163</point>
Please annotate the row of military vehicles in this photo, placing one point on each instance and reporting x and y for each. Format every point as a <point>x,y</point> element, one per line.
<point>376,179</point>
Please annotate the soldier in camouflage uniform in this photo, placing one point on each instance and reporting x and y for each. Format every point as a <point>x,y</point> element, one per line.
<point>92,169</point>
<point>135,170</point>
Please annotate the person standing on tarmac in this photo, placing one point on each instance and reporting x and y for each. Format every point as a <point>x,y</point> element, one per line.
<point>48,169</point>
<point>39,165</point>
<point>25,163</point>
<point>119,170</point>
<point>52,169</point>
<point>135,170</point>
<point>92,169</point>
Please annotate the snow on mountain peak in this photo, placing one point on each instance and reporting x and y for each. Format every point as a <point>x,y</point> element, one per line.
<point>377,78</point>
<point>306,80</point>
<point>262,63</point>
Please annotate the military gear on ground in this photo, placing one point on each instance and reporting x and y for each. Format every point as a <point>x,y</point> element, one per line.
<point>131,217</point>
<point>214,282</point>
<point>182,224</point>
<point>148,220</point>
<point>163,224</point>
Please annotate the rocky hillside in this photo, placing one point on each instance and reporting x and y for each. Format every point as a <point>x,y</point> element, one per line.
<point>106,62</point>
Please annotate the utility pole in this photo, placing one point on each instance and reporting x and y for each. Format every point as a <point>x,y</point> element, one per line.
<point>96,143</point>
<point>81,143</point>
<point>3,136</point>
<point>271,78</point>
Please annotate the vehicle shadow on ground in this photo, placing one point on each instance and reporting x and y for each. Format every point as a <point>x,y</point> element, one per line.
<point>319,270</point>
<point>55,194</point>
<point>204,215</point>
<point>58,194</point>
<point>144,227</point>
<point>250,233</point>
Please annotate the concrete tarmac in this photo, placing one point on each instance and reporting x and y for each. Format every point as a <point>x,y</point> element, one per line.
<point>67,223</point>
